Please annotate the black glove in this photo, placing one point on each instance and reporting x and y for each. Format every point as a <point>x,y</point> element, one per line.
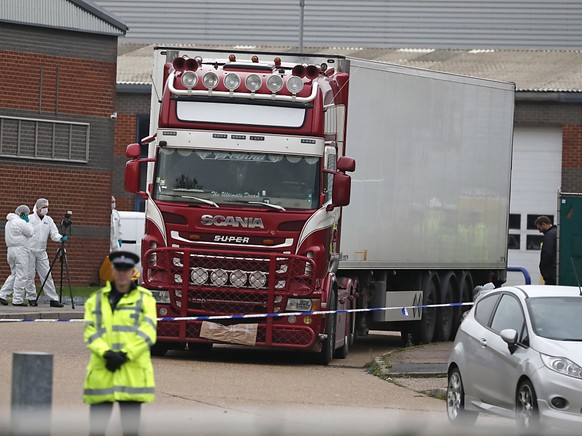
<point>114,360</point>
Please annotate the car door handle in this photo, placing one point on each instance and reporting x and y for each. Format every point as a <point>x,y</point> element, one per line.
<point>483,342</point>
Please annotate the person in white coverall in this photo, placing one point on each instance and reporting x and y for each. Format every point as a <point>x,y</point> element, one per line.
<point>43,227</point>
<point>115,236</point>
<point>18,235</point>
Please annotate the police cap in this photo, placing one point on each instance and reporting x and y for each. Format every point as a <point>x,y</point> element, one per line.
<point>123,260</point>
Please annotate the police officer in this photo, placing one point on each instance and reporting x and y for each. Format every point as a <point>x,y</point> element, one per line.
<point>120,328</point>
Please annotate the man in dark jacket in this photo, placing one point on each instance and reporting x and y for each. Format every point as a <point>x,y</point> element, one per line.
<point>549,249</point>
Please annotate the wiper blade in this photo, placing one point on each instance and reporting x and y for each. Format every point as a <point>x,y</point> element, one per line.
<point>274,206</point>
<point>202,200</point>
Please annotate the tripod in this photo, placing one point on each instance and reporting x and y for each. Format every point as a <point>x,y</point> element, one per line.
<point>61,254</point>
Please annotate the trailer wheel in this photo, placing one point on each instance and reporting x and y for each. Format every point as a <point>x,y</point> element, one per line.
<point>446,315</point>
<point>328,347</point>
<point>466,296</point>
<point>423,331</point>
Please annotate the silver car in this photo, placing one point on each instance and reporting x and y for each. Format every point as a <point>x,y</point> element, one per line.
<point>518,354</point>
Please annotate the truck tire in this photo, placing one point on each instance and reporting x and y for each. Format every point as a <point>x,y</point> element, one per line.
<point>446,315</point>
<point>423,331</point>
<point>342,353</point>
<point>328,346</point>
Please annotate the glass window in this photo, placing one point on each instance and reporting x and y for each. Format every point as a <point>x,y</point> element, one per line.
<point>231,177</point>
<point>531,219</point>
<point>509,316</point>
<point>534,242</point>
<point>556,317</point>
<point>514,221</point>
<point>513,242</point>
<point>484,308</point>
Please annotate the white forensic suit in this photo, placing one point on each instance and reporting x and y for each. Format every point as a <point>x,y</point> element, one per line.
<point>43,228</point>
<point>18,235</point>
<point>115,235</point>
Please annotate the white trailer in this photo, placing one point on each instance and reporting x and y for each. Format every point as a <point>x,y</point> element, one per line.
<point>428,217</point>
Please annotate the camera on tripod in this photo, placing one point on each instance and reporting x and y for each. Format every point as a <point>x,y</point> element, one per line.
<point>66,224</point>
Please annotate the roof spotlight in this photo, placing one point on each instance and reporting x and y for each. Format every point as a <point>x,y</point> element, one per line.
<point>275,83</point>
<point>210,80</point>
<point>231,81</point>
<point>253,82</point>
<point>189,79</point>
<point>294,85</point>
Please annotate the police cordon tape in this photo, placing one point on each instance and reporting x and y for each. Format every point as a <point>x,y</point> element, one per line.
<point>403,309</point>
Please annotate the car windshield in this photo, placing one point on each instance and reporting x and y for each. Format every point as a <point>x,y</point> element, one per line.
<point>556,317</point>
<point>233,177</point>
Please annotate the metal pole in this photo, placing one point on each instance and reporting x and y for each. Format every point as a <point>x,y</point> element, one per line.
<point>302,7</point>
<point>32,391</point>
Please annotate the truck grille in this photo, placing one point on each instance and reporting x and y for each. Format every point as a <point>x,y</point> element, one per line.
<point>221,283</point>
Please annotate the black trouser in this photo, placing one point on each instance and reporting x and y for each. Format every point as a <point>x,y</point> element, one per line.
<point>101,412</point>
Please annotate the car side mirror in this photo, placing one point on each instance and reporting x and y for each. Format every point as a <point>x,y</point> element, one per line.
<point>509,336</point>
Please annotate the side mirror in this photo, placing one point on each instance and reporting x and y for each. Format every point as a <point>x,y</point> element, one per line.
<point>132,176</point>
<point>342,188</point>
<point>133,151</point>
<point>510,337</point>
<point>346,164</point>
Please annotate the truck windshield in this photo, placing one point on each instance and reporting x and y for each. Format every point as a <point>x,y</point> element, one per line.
<point>231,177</point>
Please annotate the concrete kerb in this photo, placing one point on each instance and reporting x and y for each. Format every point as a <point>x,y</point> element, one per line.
<point>407,368</point>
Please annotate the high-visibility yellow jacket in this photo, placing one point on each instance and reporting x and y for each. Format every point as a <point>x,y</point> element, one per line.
<point>131,328</point>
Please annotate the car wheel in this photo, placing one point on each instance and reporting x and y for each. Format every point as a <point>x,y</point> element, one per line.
<point>527,414</point>
<point>456,401</point>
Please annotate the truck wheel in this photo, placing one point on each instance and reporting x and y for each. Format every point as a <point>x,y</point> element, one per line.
<point>352,335</point>
<point>342,353</point>
<point>328,347</point>
<point>423,331</point>
<point>446,315</point>
<point>465,296</point>
<point>159,349</point>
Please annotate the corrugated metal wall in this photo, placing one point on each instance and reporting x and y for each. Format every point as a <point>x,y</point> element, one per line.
<point>54,13</point>
<point>370,23</point>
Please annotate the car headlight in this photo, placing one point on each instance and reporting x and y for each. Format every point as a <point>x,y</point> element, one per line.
<point>299,305</point>
<point>161,296</point>
<point>562,365</point>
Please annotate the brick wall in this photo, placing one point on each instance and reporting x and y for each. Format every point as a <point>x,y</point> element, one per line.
<point>572,158</point>
<point>65,76</point>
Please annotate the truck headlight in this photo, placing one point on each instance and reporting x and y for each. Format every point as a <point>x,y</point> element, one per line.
<point>562,365</point>
<point>161,296</point>
<point>299,305</point>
